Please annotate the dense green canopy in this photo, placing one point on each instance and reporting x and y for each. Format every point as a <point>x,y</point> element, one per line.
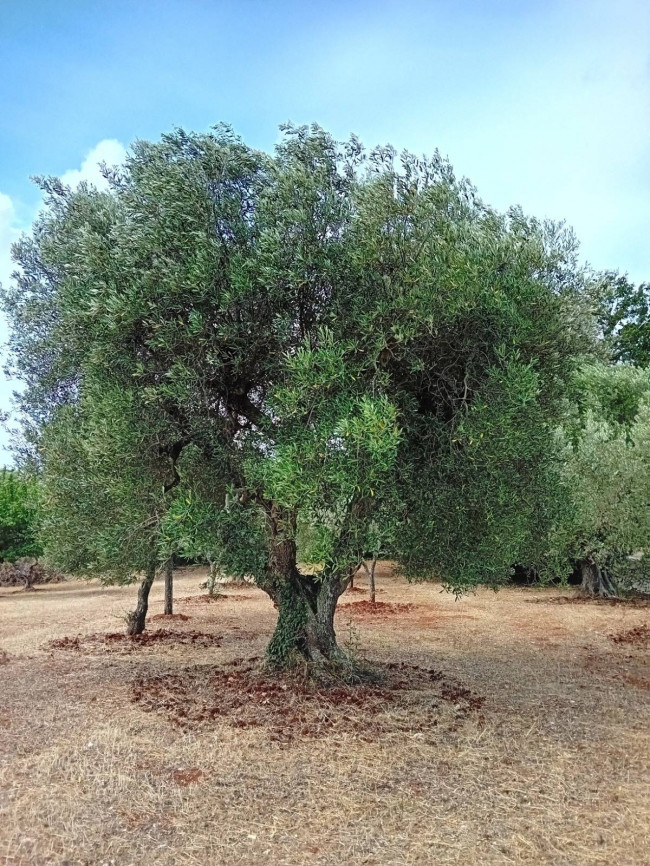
<point>603,522</point>
<point>623,314</point>
<point>19,517</point>
<point>326,330</point>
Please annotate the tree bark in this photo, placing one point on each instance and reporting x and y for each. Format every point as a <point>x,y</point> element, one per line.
<point>169,586</point>
<point>306,604</point>
<point>371,578</point>
<point>135,621</point>
<point>370,572</point>
<point>596,582</point>
<point>212,578</point>
<point>29,576</point>
<point>304,632</point>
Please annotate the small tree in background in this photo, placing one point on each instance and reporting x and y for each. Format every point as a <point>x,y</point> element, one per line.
<point>605,527</point>
<point>193,525</point>
<point>107,480</point>
<point>19,516</point>
<point>378,547</point>
<point>623,315</point>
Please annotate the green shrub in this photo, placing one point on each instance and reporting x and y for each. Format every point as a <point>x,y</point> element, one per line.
<point>19,517</point>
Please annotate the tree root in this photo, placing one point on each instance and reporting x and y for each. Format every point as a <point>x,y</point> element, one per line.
<point>341,669</point>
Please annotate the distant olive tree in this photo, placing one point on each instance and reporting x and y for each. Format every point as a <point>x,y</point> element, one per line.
<point>107,480</point>
<point>604,530</point>
<point>623,314</point>
<point>19,516</point>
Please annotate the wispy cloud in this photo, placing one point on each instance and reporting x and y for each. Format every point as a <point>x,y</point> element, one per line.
<point>109,151</point>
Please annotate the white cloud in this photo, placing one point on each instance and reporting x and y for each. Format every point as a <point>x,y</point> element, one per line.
<point>109,150</point>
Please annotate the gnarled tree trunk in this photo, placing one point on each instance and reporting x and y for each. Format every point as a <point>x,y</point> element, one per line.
<point>169,586</point>
<point>306,603</point>
<point>304,633</point>
<point>135,621</point>
<point>596,582</point>
<point>305,628</point>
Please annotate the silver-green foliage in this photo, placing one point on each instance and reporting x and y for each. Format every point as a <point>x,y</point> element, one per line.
<point>104,484</point>
<point>19,516</point>
<point>341,336</point>
<point>605,445</point>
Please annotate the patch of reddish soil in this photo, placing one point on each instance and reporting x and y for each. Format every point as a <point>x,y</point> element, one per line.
<point>639,682</point>
<point>355,589</point>
<point>457,694</point>
<point>170,617</point>
<point>120,642</point>
<point>377,609</point>
<point>631,601</point>
<point>440,616</point>
<point>288,708</point>
<point>639,636</point>
<point>183,778</point>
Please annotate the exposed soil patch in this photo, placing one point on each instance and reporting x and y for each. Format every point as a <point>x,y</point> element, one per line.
<point>457,694</point>
<point>239,597</point>
<point>170,617</point>
<point>209,599</point>
<point>235,584</point>
<point>202,599</point>
<point>377,609</point>
<point>639,636</point>
<point>119,642</point>
<point>358,590</point>
<point>4,657</point>
<point>638,682</point>
<point>442,616</point>
<point>190,776</point>
<point>411,699</point>
<point>630,601</point>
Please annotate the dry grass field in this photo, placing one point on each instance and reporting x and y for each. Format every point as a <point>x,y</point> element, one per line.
<point>510,728</point>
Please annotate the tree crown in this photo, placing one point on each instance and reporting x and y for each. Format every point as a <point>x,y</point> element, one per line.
<point>322,325</point>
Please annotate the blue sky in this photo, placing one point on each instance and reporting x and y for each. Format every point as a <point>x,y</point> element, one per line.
<point>541,103</point>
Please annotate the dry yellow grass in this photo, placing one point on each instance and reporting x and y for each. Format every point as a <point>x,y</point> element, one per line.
<point>553,769</point>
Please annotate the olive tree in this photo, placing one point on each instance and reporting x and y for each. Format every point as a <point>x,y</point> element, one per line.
<point>623,315</point>
<point>106,482</point>
<point>605,442</point>
<point>19,516</point>
<point>196,524</point>
<point>321,324</point>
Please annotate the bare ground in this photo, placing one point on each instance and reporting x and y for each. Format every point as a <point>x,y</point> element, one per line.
<point>507,730</point>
